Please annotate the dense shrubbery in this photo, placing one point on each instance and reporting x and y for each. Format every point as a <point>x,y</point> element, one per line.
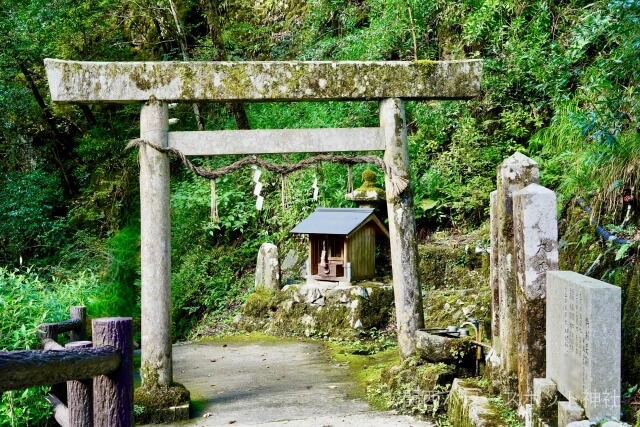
<point>27,301</point>
<point>560,84</point>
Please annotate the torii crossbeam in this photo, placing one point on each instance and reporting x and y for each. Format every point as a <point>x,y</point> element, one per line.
<point>156,83</point>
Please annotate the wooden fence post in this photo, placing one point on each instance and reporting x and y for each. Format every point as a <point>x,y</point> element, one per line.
<point>79,313</point>
<point>49,339</point>
<point>48,331</point>
<point>80,395</point>
<point>113,393</point>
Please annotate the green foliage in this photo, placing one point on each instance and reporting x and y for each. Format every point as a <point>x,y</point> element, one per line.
<point>122,276</point>
<point>29,225</point>
<point>209,281</point>
<point>26,301</point>
<point>507,414</point>
<point>262,302</point>
<point>108,181</point>
<point>560,83</point>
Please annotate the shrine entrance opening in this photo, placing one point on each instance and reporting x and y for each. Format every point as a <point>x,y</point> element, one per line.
<point>155,84</point>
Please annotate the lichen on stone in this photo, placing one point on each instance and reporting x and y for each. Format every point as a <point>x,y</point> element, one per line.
<point>155,401</point>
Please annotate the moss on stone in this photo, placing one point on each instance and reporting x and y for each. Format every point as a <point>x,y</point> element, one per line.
<point>415,386</point>
<point>631,326</point>
<point>445,307</point>
<point>375,311</point>
<point>368,186</point>
<point>487,411</point>
<point>455,279</point>
<point>288,320</point>
<point>285,313</point>
<point>445,266</point>
<point>547,412</point>
<point>156,402</point>
<point>227,81</point>
<point>262,302</point>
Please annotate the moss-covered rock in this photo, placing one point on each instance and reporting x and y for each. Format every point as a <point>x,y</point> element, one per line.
<point>436,348</point>
<point>155,404</point>
<point>415,386</point>
<point>444,307</point>
<point>469,407</point>
<point>456,280</point>
<point>325,310</point>
<point>262,302</point>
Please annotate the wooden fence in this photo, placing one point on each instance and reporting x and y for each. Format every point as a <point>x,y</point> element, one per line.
<point>98,374</point>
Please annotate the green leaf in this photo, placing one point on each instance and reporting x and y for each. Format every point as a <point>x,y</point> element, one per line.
<point>428,204</point>
<point>622,252</point>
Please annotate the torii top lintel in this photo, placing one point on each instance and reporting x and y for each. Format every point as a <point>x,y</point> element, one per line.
<point>130,82</point>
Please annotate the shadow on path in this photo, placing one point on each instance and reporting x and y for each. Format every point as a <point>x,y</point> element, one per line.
<point>272,383</point>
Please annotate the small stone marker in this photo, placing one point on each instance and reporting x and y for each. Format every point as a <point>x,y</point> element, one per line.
<point>584,342</point>
<point>268,267</point>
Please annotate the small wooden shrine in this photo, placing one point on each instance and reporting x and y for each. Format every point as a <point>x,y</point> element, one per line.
<point>342,243</point>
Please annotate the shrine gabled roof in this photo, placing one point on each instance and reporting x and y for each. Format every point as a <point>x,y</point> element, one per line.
<point>337,221</point>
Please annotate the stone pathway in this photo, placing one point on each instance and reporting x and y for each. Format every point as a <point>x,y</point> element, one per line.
<point>272,384</point>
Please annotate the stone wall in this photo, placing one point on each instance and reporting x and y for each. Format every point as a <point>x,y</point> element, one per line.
<point>321,309</point>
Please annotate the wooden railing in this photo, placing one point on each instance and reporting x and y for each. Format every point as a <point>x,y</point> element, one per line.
<point>98,374</point>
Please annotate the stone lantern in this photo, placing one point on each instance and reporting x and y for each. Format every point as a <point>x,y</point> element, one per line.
<point>368,195</point>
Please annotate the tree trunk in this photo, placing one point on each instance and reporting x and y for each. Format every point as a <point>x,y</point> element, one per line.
<point>50,119</point>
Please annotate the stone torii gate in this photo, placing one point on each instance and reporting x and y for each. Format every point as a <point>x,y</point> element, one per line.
<point>157,83</point>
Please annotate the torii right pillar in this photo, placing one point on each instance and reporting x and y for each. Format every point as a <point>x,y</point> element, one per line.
<point>402,228</point>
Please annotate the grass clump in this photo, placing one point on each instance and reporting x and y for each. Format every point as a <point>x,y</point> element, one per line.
<point>26,301</point>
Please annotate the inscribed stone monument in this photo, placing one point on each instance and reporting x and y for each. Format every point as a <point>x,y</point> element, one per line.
<point>583,342</point>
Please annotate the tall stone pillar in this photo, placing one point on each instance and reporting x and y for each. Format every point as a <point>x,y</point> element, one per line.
<point>402,228</point>
<point>536,244</point>
<point>493,273</point>
<point>156,368</point>
<point>514,174</point>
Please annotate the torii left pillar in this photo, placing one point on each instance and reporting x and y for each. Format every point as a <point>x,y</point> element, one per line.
<point>155,253</point>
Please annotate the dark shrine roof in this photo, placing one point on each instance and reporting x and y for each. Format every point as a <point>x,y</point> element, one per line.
<point>340,221</point>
